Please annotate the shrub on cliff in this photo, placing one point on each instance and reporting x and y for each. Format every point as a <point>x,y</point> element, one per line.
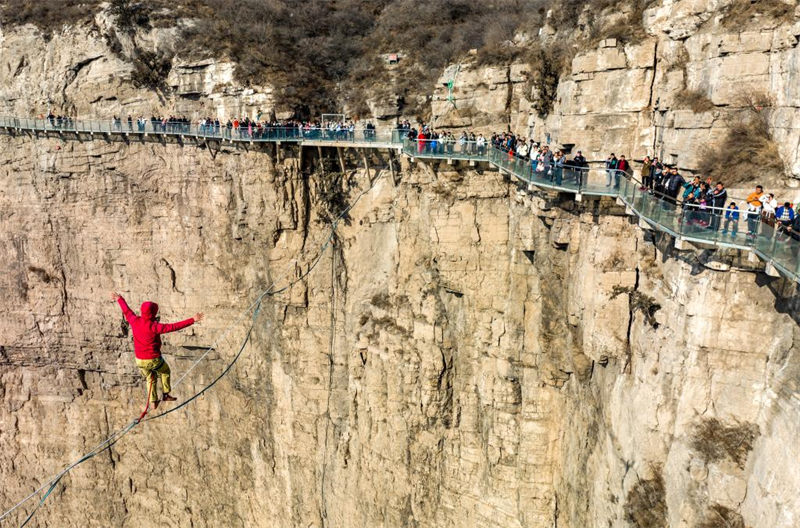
<point>716,441</point>
<point>646,504</point>
<point>720,516</point>
<point>46,14</point>
<point>130,15</point>
<point>547,63</point>
<point>695,100</point>
<point>742,13</point>
<point>748,151</point>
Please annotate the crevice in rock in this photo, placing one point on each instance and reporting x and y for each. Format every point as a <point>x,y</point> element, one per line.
<point>509,96</point>
<point>628,349</point>
<point>72,74</point>
<point>172,275</point>
<point>653,79</point>
<point>306,213</point>
<point>22,63</point>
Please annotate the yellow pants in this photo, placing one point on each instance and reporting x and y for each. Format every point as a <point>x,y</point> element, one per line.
<point>149,368</point>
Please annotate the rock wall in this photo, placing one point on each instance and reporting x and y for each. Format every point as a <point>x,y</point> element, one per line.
<point>633,97</point>
<point>90,72</point>
<point>670,92</point>
<point>469,354</point>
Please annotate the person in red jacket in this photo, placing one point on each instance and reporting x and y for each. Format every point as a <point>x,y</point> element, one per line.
<point>147,344</point>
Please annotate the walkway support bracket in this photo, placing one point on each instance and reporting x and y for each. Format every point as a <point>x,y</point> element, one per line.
<point>770,270</point>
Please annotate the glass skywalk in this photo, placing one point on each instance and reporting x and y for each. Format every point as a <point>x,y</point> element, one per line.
<point>699,225</point>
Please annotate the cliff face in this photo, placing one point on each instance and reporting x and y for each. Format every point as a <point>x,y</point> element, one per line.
<point>672,92</point>
<point>95,71</point>
<point>467,354</point>
<point>673,89</point>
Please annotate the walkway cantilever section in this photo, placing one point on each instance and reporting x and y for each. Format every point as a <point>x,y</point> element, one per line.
<point>702,226</point>
<point>252,133</point>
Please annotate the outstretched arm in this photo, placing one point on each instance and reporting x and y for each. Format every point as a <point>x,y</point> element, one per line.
<point>174,327</point>
<point>126,311</point>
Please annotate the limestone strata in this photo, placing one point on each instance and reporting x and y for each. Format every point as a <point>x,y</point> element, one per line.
<point>89,71</point>
<point>460,358</point>
<point>631,97</point>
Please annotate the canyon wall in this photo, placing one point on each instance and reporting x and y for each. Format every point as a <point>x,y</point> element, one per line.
<point>671,92</point>
<point>466,354</point>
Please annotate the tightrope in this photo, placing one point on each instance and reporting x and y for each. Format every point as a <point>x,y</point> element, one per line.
<point>254,308</point>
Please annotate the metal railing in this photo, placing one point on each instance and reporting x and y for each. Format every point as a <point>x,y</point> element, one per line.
<point>771,241</point>
<point>562,177</point>
<point>243,132</point>
<point>447,148</point>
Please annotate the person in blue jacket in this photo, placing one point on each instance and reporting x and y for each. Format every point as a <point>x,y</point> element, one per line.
<point>731,220</point>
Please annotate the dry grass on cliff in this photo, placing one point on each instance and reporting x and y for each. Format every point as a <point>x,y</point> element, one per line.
<point>716,441</point>
<point>547,64</point>
<point>46,14</point>
<point>748,151</point>
<point>721,517</point>
<point>646,505</point>
<point>695,100</point>
<point>639,302</point>
<point>323,53</point>
<point>743,13</point>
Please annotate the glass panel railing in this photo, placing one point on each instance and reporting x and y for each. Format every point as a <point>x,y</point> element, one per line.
<point>242,132</point>
<point>735,228</point>
<point>779,245</point>
<point>445,149</point>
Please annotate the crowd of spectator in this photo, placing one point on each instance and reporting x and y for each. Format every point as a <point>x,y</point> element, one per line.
<point>234,128</point>
<point>433,142</point>
<point>705,204</point>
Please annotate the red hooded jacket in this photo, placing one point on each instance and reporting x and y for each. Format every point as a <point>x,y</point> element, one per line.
<point>147,331</point>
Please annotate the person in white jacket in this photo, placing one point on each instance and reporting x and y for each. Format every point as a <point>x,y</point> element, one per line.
<point>768,206</point>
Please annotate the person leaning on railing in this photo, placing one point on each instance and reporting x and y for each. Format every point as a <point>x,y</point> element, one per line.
<point>754,210</point>
<point>784,216</point>
<point>731,220</point>
<point>792,228</point>
<point>768,206</point>
<point>646,173</point>
<point>718,195</point>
